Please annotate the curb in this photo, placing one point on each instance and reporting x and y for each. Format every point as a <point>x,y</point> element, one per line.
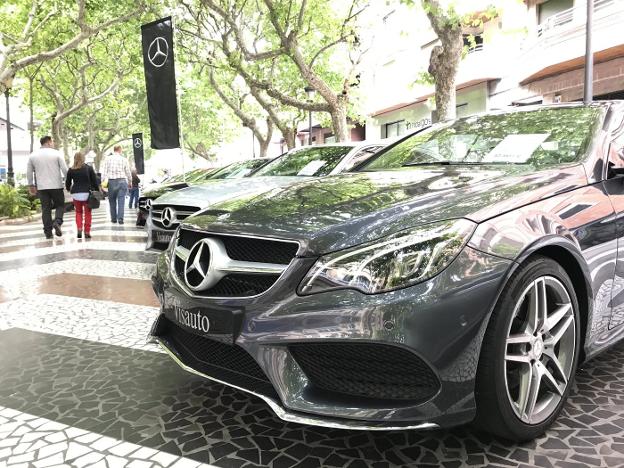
<point>23,220</point>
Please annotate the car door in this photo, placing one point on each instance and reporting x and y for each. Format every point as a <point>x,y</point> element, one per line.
<point>614,185</point>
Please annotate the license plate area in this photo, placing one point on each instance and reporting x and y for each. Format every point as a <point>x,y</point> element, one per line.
<point>164,237</point>
<point>211,322</point>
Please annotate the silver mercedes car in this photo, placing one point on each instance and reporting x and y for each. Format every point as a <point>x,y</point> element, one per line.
<point>294,166</point>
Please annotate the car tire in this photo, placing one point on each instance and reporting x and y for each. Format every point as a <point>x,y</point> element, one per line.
<point>509,402</point>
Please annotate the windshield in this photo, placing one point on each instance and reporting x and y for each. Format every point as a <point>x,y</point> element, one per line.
<point>196,174</point>
<point>310,161</point>
<point>239,169</point>
<point>541,137</point>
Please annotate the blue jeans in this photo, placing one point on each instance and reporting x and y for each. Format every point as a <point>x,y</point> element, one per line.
<point>134,195</point>
<point>117,189</point>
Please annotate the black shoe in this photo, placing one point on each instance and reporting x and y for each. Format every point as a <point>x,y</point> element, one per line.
<point>120,221</point>
<point>87,235</point>
<point>49,236</point>
<point>80,235</point>
<point>57,230</point>
<point>114,221</point>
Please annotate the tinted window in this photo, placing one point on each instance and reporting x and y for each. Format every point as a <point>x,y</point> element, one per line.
<point>361,156</point>
<point>310,161</point>
<point>540,137</point>
<point>238,170</point>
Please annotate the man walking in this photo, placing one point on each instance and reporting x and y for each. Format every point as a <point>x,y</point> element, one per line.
<point>45,172</point>
<point>116,172</point>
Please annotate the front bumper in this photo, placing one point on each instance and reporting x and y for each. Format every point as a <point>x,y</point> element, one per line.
<point>157,238</point>
<point>441,322</point>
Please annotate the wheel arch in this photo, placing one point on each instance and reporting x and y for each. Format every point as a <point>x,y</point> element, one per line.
<point>566,254</point>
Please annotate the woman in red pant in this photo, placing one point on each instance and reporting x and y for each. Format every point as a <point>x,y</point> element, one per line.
<point>80,181</point>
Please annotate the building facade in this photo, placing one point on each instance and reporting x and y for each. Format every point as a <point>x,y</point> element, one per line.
<point>531,52</point>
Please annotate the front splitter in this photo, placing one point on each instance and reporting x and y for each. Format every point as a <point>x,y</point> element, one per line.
<point>296,417</point>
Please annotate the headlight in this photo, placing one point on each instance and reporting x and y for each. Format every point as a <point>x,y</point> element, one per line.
<point>396,261</point>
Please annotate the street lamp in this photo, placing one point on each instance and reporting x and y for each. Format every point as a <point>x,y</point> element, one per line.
<point>10,175</point>
<point>310,93</point>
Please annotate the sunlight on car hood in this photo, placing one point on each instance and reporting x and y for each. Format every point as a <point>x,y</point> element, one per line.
<point>219,190</point>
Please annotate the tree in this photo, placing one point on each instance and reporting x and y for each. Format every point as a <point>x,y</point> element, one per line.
<point>28,35</point>
<point>445,57</point>
<point>199,49</point>
<point>279,47</point>
<point>448,24</point>
<point>74,82</point>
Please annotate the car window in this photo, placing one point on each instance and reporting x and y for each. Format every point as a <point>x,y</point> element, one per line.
<point>540,137</point>
<point>237,170</point>
<point>361,156</point>
<point>310,161</point>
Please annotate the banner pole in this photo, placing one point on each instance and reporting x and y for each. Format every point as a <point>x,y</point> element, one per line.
<point>179,106</point>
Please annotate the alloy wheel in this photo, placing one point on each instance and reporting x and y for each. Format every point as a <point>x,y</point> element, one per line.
<point>539,349</point>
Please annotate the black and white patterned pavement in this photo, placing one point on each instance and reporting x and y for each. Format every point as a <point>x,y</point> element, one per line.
<point>79,387</point>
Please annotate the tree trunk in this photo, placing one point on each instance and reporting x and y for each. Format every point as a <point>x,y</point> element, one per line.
<point>443,66</point>
<point>65,143</point>
<point>290,137</point>
<point>444,60</point>
<point>339,120</point>
<point>56,130</point>
<point>98,159</point>
<point>264,147</point>
<point>32,118</point>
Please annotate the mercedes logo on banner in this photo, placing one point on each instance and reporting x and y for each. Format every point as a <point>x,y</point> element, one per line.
<point>157,45</point>
<point>138,143</point>
<point>158,52</point>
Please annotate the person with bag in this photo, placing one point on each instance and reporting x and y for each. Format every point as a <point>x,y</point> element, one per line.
<point>81,181</point>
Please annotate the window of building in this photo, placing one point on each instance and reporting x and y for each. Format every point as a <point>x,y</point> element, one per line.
<point>461,110</point>
<point>550,8</point>
<point>473,42</point>
<point>393,129</point>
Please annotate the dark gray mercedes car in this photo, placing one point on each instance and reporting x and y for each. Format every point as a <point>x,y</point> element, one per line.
<point>462,274</point>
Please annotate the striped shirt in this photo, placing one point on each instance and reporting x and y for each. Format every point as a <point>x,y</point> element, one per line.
<point>116,167</point>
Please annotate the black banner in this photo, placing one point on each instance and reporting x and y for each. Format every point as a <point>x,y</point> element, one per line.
<point>137,146</point>
<point>158,64</point>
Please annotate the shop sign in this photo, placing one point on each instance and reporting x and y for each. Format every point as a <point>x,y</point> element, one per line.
<point>418,124</point>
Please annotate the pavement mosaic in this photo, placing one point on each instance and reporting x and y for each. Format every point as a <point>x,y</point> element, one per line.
<point>79,387</point>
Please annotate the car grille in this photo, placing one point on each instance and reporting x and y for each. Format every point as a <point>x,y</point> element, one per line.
<point>377,371</point>
<point>246,249</point>
<point>225,362</point>
<point>178,214</point>
<point>143,203</point>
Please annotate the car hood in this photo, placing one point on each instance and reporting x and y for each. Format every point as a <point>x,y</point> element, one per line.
<point>340,211</point>
<point>159,190</point>
<point>210,192</point>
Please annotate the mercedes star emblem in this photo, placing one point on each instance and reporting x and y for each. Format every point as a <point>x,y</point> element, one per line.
<point>158,51</point>
<point>168,217</point>
<point>138,143</point>
<point>148,204</point>
<point>198,271</point>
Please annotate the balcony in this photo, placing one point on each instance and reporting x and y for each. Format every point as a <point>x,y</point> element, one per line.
<point>558,44</point>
